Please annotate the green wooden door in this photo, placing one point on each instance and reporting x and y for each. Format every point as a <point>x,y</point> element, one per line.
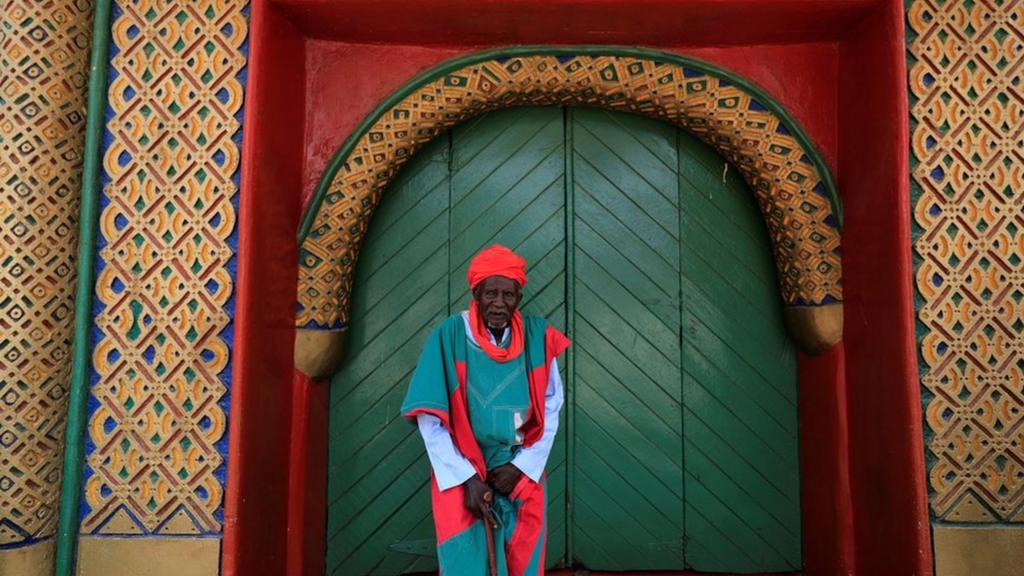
<point>678,442</point>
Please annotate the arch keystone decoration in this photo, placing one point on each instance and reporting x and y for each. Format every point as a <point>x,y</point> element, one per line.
<point>791,182</point>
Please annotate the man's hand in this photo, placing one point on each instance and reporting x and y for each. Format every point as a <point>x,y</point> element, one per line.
<point>504,478</point>
<point>474,499</point>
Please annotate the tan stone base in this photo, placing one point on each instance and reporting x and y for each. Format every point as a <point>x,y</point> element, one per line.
<point>981,551</point>
<point>318,353</point>
<point>815,329</point>
<point>157,556</point>
<point>32,560</point>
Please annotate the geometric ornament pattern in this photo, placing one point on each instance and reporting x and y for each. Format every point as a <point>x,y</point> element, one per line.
<point>156,437</point>
<point>967,118</point>
<point>44,52</point>
<point>793,195</point>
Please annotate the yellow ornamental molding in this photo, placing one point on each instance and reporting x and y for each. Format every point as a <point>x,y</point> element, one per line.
<point>44,51</point>
<point>164,281</point>
<point>969,173</point>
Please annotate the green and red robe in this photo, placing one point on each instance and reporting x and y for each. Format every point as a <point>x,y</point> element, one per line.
<point>491,409</point>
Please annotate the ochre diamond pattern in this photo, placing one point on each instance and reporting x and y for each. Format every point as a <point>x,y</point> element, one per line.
<point>791,192</point>
<point>44,50</point>
<point>968,143</point>
<point>164,283</point>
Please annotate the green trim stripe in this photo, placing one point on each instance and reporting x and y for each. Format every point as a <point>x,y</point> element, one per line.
<point>71,488</point>
<point>519,51</point>
<point>570,331</point>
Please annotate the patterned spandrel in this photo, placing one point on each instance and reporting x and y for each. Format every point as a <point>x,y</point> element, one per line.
<point>158,423</point>
<point>967,115</point>
<point>44,51</point>
<point>791,192</point>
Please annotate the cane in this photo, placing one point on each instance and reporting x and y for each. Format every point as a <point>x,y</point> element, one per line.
<point>489,524</point>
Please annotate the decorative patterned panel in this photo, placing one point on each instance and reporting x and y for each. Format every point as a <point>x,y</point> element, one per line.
<point>967,113</point>
<point>44,50</point>
<point>794,195</point>
<point>157,427</point>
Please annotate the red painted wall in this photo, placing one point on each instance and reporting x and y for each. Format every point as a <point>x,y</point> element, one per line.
<point>317,67</point>
<point>886,439</point>
<point>256,500</point>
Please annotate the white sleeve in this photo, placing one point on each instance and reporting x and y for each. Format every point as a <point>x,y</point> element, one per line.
<point>532,460</point>
<point>451,468</point>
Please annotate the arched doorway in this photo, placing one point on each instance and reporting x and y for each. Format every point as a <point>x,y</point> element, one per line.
<point>678,446</point>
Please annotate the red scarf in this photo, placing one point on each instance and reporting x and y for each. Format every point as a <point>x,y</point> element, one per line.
<point>483,337</point>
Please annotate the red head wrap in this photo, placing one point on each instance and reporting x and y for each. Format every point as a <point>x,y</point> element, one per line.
<point>496,261</point>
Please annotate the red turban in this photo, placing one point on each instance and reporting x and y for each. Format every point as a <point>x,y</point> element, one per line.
<point>496,261</point>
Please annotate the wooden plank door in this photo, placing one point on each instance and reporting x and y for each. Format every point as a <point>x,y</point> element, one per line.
<point>497,179</point>
<point>678,440</point>
<point>378,473</point>
<point>627,491</point>
<point>508,186</point>
<point>739,379</point>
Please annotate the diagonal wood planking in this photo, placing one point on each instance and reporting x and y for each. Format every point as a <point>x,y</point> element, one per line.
<point>508,186</point>
<point>411,275</point>
<point>664,251</point>
<point>739,383</point>
<point>628,492</point>
<point>377,491</point>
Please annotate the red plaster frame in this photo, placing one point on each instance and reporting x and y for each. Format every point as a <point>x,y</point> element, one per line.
<point>317,67</point>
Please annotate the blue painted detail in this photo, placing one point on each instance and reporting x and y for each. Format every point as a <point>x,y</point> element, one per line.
<point>24,538</point>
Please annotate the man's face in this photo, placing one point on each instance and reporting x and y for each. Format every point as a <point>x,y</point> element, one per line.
<point>497,298</point>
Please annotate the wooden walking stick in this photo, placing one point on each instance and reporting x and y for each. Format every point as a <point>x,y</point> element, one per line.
<point>489,525</point>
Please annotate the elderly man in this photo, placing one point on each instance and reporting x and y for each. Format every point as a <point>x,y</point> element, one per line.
<point>486,395</point>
